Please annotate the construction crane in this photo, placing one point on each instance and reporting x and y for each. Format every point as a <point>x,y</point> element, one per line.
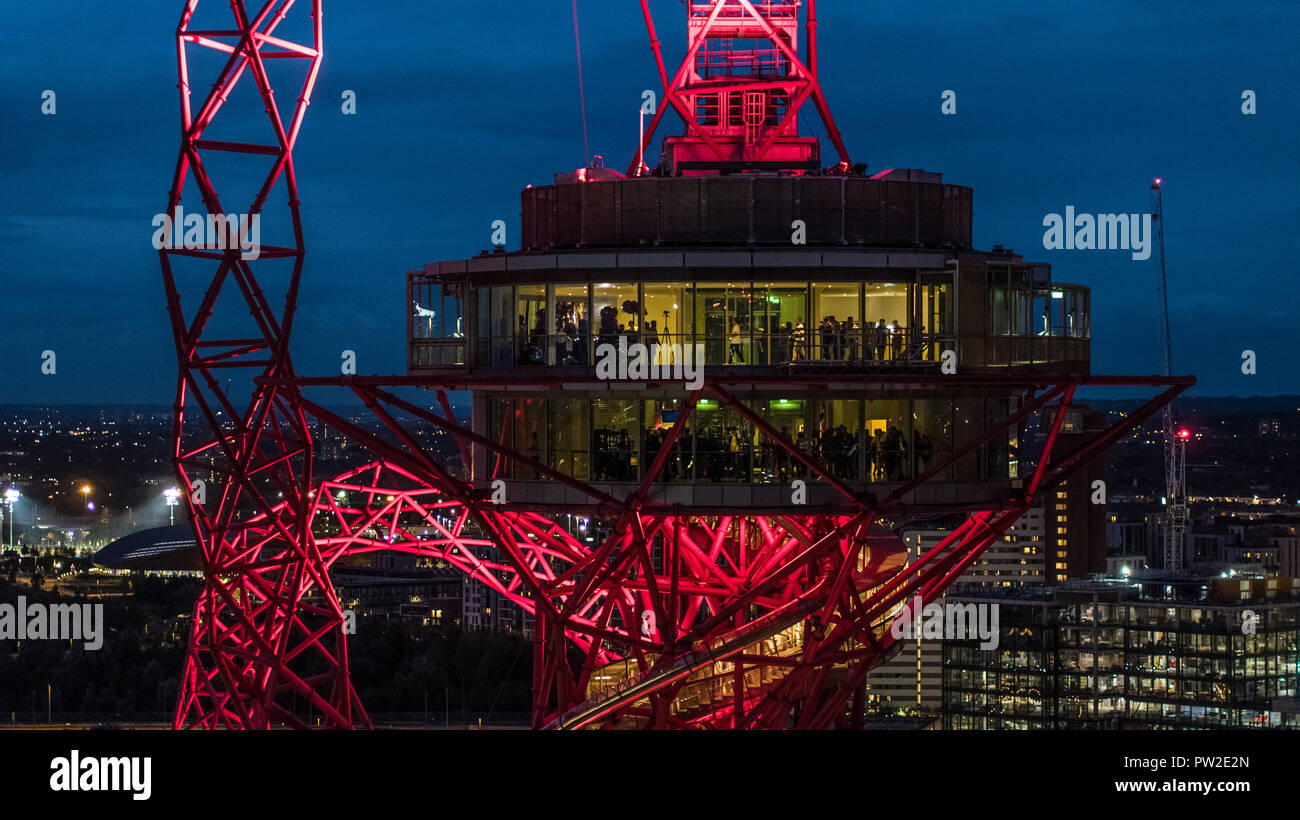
<point>1175,438</point>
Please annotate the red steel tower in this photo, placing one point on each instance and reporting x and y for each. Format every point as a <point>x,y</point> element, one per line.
<point>267,629</point>
<point>704,537</point>
<point>740,88</point>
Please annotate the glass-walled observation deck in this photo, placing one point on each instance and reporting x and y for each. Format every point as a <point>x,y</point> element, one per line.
<point>1034,321</point>
<point>1021,319</point>
<point>514,333</point>
<point>861,441</point>
<point>733,323</point>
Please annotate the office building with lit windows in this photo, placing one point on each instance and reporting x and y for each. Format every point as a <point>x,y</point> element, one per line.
<point>912,681</point>
<point>1075,512</point>
<point>1123,655</point>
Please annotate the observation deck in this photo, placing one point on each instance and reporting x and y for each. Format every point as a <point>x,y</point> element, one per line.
<point>849,314</point>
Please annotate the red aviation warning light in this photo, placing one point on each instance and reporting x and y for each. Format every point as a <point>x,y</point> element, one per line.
<point>739,90</point>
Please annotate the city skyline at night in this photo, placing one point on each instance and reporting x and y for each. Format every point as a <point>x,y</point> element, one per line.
<point>1119,99</point>
<point>922,373</point>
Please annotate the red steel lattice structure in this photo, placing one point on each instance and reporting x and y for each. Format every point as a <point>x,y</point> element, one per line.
<point>683,617</point>
<point>740,89</point>
<point>267,629</point>
<point>798,602</point>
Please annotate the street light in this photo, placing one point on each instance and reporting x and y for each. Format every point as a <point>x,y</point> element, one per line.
<point>173,498</point>
<point>11,498</point>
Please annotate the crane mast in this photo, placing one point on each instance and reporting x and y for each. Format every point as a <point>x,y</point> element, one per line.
<point>1175,440</point>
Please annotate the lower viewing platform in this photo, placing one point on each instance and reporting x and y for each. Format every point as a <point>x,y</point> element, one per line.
<point>746,447</point>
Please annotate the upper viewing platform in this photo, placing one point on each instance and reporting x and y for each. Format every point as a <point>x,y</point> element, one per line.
<point>772,312</point>
<point>895,208</point>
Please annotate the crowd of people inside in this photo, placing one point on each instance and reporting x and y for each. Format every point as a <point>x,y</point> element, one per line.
<point>833,340</point>
<point>730,454</point>
<point>793,342</point>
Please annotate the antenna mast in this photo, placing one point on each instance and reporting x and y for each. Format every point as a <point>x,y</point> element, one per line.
<point>1175,439</point>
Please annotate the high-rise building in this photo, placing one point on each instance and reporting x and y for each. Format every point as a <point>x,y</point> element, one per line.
<point>912,680</point>
<point>1117,654</point>
<point>1074,513</point>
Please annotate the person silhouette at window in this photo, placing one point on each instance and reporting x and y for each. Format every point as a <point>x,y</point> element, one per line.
<point>735,354</point>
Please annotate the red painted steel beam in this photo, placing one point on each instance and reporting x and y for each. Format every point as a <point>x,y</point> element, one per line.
<point>254,625</point>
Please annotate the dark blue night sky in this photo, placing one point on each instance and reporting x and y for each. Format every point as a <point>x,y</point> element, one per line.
<point>460,105</point>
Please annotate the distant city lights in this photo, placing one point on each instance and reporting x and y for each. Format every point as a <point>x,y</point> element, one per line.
<point>11,498</point>
<point>172,497</point>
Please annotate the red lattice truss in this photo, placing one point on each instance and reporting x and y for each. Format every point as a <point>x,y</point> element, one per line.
<point>267,627</point>
<point>741,73</point>
<point>681,617</point>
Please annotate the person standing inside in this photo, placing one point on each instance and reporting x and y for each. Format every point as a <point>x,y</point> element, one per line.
<point>849,339</point>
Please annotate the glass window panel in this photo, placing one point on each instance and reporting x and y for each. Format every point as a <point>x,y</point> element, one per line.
<point>998,450</point>
<point>837,437</point>
<point>616,310</point>
<point>886,310</point>
<point>967,425</point>
<point>614,444</point>
<point>775,464</point>
<point>712,322</point>
<point>567,439</point>
<point>499,329</point>
<point>740,323</point>
<point>837,305</point>
<point>660,416</point>
<point>438,323</point>
<point>427,323</point>
<point>482,299</point>
<point>531,324</point>
<point>724,443</point>
<point>935,320</point>
<point>780,314</point>
<point>887,426</point>
<point>519,424</point>
<point>668,310</point>
<point>453,310</point>
<point>570,326</point>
